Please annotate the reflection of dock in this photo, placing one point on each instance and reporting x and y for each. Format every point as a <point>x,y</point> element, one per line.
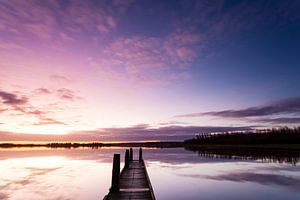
<point>133,182</point>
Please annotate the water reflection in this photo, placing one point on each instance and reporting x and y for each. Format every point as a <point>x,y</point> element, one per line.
<point>277,156</point>
<point>224,174</point>
<point>175,174</point>
<point>264,179</point>
<point>54,174</point>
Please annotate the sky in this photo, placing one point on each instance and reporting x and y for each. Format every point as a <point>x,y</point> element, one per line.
<point>147,70</point>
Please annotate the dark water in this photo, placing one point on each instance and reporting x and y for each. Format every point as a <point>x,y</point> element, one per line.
<point>174,173</point>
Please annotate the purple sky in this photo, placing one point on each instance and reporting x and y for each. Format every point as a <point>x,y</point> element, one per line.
<point>101,69</point>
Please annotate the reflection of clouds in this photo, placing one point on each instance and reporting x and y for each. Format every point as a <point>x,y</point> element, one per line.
<point>175,156</point>
<point>166,155</point>
<point>101,155</point>
<point>16,184</point>
<point>175,166</point>
<point>264,179</point>
<point>51,177</point>
<point>40,171</point>
<point>171,156</point>
<point>3,196</point>
<point>264,155</point>
<point>72,170</point>
<point>286,168</point>
<point>32,178</point>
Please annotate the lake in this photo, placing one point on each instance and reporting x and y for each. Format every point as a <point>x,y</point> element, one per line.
<point>175,173</point>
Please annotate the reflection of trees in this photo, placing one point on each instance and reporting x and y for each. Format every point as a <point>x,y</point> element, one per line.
<point>266,155</point>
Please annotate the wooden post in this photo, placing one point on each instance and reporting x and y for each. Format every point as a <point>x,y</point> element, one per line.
<point>140,154</point>
<point>115,174</point>
<point>131,155</point>
<point>127,158</point>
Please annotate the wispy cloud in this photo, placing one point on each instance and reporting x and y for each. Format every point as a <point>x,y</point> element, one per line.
<point>145,132</point>
<point>152,59</point>
<point>285,106</point>
<point>42,91</point>
<point>48,121</point>
<point>59,78</point>
<point>10,46</point>
<point>22,105</point>
<point>280,120</point>
<point>141,132</point>
<point>67,94</point>
<point>44,18</point>
<point>172,123</point>
<point>218,20</point>
<point>168,57</point>
<point>61,93</point>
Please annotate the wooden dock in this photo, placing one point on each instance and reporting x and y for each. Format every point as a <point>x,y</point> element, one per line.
<point>133,182</point>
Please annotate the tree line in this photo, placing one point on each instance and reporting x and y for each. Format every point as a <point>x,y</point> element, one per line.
<point>266,136</point>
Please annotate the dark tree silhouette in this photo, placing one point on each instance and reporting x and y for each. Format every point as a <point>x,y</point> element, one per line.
<point>266,136</point>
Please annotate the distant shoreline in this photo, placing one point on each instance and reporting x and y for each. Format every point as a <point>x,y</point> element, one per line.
<point>169,144</point>
<point>94,144</point>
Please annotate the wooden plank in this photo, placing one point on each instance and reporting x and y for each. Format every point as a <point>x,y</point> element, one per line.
<point>130,195</point>
<point>134,183</point>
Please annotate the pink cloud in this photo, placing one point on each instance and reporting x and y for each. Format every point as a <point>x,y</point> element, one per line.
<point>12,99</point>
<point>111,21</point>
<point>42,91</point>
<point>7,46</point>
<point>20,104</point>
<point>102,28</point>
<point>59,78</point>
<point>182,47</point>
<point>17,19</point>
<point>67,94</point>
<point>67,37</point>
<point>153,59</point>
<point>45,20</point>
<point>48,121</point>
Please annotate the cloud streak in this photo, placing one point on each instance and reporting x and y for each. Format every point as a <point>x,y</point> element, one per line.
<point>219,20</point>
<point>44,18</point>
<point>59,78</point>
<point>286,106</point>
<point>264,179</point>
<point>141,132</point>
<point>42,91</point>
<point>152,59</point>
<point>67,94</point>
<point>21,105</point>
<point>281,120</point>
<point>48,121</point>
<point>168,57</point>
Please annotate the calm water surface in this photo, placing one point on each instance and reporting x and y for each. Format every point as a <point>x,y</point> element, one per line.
<point>85,174</point>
